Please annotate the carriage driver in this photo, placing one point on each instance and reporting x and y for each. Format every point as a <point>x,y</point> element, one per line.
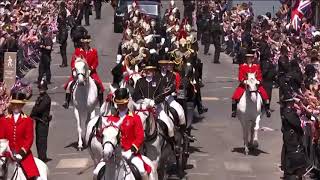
<point>168,79</point>
<point>131,130</point>
<point>249,67</point>
<point>150,89</point>
<point>17,128</point>
<point>91,56</point>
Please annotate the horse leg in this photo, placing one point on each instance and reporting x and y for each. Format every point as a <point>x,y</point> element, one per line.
<point>80,143</point>
<point>245,129</point>
<point>256,129</point>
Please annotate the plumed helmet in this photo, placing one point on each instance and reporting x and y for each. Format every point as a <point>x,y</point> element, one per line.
<point>121,96</point>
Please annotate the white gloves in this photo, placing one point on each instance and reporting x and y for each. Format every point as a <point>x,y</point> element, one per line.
<point>153,51</point>
<point>149,102</point>
<point>17,157</point>
<point>119,57</point>
<point>127,154</point>
<point>162,41</point>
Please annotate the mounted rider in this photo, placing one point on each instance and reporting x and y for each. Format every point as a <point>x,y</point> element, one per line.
<point>17,128</point>
<point>91,56</point>
<point>151,90</point>
<point>244,69</point>
<point>131,130</point>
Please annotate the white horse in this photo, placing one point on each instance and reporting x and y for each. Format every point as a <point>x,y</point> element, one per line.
<point>10,169</point>
<point>85,93</point>
<point>116,163</point>
<point>249,112</point>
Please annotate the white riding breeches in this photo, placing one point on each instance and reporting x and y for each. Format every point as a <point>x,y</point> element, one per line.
<point>179,109</point>
<point>139,164</point>
<point>162,115</point>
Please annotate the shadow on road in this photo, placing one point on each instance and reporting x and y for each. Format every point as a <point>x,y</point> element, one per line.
<point>75,146</point>
<point>193,149</point>
<point>253,152</point>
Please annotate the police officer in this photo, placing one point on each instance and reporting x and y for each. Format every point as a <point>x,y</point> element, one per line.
<point>46,44</point>
<point>216,32</point>
<point>41,114</point>
<point>205,38</point>
<point>63,33</point>
<point>97,7</point>
<point>293,158</point>
<point>86,11</point>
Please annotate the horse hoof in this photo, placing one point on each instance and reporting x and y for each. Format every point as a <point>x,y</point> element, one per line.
<point>80,148</point>
<point>255,144</point>
<point>246,151</point>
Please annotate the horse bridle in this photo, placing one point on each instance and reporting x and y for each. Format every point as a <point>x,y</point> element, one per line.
<point>4,166</point>
<point>118,135</point>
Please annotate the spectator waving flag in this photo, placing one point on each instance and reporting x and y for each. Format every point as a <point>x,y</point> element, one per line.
<point>300,10</point>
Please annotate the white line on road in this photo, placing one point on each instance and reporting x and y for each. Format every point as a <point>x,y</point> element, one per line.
<point>73,163</point>
<point>201,155</point>
<point>210,98</point>
<point>32,103</point>
<point>198,174</point>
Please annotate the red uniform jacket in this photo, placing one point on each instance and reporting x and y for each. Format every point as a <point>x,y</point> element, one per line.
<point>131,129</point>
<point>20,136</point>
<point>178,81</point>
<point>91,57</point>
<point>245,68</point>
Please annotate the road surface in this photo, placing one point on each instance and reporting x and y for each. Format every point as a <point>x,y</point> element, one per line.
<point>217,154</point>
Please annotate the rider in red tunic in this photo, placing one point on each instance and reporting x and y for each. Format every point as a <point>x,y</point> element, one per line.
<point>17,128</point>
<point>245,68</point>
<point>132,133</point>
<point>91,56</point>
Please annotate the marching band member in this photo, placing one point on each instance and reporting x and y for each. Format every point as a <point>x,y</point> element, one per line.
<point>17,128</point>
<point>245,68</point>
<point>91,56</point>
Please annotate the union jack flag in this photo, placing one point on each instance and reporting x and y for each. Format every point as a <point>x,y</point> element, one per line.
<point>300,9</point>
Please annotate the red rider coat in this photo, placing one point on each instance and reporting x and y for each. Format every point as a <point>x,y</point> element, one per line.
<point>132,133</point>
<point>20,137</point>
<point>244,69</point>
<point>91,56</point>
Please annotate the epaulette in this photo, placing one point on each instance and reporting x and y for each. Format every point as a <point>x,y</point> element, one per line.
<point>9,116</point>
<point>130,114</point>
<point>24,116</point>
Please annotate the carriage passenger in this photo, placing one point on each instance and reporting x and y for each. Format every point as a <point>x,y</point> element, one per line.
<point>91,57</point>
<point>244,69</point>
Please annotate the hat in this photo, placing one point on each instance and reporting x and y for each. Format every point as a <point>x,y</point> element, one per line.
<point>86,39</point>
<point>165,62</point>
<point>250,53</point>
<point>43,85</point>
<point>149,65</point>
<point>18,98</point>
<point>121,96</point>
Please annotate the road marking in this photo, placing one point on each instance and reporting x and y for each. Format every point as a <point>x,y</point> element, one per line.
<point>238,166</point>
<point>61,76</point>
<point>32,103</point>
<point>210,98</point>
<point>69,154</point>
<point>227,87</point>
<point>73,163</point>
<point>58,173</point>
<point>201,155</point>
<point>266,129</point>
<point>198,174</point>
<point>193,162</point>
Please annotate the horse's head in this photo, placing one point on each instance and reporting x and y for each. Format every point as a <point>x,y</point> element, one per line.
<point>252,85</point>
<point>252,82</point>
<point>111,134</point>
<point>81,70</point>
<point>4,148</point>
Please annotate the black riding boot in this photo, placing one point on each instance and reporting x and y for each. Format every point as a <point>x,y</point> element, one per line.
<point>185,131</point>
<point>100,98</point>
<point>234,109</point>
<point>172,142</point>
<point>67,101</point>
<point>267,108</point>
